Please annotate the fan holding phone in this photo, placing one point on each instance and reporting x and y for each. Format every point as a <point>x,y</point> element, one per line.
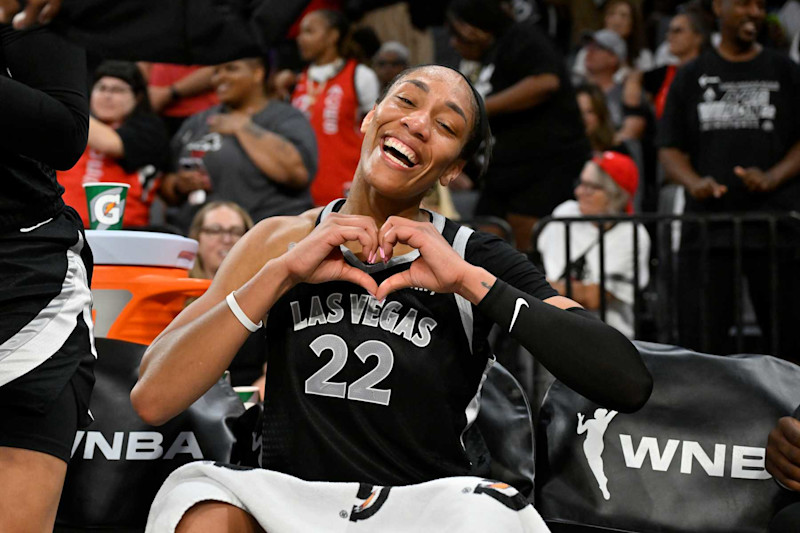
<point>251,149</point>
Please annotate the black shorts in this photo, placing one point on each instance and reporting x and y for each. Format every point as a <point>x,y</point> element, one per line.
<point>42,410</point>
<point>46,344</point>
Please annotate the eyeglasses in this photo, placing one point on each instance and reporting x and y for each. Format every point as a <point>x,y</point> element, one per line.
<point>113,89</point>
<point>217,231</point>
<point>592,187</point>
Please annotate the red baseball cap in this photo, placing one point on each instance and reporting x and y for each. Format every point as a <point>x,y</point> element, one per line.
<point>622,170</point>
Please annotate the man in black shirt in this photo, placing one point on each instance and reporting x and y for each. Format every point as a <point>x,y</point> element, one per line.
<point>731,137</point>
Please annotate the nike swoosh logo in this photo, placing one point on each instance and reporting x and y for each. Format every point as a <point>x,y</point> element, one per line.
<point>517,306</point>
<point>39,225</point>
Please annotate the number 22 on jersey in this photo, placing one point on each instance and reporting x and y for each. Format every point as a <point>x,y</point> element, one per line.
<point>362,389</point>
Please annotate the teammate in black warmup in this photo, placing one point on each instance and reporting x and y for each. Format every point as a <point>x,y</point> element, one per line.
<point>46,348</point>
<point>377,314</point>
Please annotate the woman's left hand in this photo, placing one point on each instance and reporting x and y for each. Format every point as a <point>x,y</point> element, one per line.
<point>439,268</point>
<point>227,123</point>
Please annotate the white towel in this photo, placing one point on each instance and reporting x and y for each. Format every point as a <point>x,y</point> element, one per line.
<point>286,504</point>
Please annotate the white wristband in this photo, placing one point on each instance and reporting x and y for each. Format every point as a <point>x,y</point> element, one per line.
<point>239,314</point>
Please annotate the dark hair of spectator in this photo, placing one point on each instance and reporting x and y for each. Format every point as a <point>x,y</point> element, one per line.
<point>337,20</point>
<point>602,138</point>
<point>130,74</point>
<point>636,39</point>
<point>478,149</point>
<point>493,16</point>
<point>366,42</point>
<point>697,24</point>
<point>263,62</point>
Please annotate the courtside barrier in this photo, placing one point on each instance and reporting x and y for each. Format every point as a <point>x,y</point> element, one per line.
<point>655,307</point>
<point>691,460</point>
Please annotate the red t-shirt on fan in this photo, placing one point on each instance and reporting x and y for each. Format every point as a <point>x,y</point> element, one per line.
<point>94,167</point>
<point>332,109</point>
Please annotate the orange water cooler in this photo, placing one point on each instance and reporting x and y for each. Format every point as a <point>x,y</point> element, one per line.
<point>140,282</point>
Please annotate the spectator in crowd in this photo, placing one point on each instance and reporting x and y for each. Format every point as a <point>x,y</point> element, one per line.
<point>217,227</point>
<point>605,57</point>
<point>251,149</point>
<point>783,462</point>
<point>623,17</point>
<point>730,135</point>
<point>584,15</point>
<point>305,274</point>
<point>686,39</point>
<point>179,91</point>
<point>606,186</point>
<point>539,140</point>
<point>392,59</point>
<point>597,119</point>
<point>789,16</point>
<point>46,347</point>
<point>334,92</point>
<point>127,143</point>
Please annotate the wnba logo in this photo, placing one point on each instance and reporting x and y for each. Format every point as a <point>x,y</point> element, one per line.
<point>593,446</point>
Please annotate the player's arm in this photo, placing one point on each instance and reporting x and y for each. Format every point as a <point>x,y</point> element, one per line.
<point>194,350</point>
<point>44,112</point>
<point>191,354</point>
<point>586,354</point>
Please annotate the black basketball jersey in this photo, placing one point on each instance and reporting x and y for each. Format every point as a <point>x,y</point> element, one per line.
<point>381,393</point>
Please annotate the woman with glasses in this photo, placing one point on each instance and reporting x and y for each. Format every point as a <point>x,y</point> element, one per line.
<point>127,143</point>
<point>606,186</point>
<point>217,227</point>
<point>377,315</point>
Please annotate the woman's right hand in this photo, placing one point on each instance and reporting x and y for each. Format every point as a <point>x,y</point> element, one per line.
<point>317,257</point>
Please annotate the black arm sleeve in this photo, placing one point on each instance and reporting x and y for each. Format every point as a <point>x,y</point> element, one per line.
<point>587,355</point>
<point>44,112</point>
<point>507,263</point>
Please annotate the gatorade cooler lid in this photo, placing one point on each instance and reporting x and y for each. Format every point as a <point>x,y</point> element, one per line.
<point>141,248</point>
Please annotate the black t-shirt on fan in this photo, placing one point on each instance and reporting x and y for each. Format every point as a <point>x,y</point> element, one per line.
<point>725,114</point>
<point>549,129</point>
